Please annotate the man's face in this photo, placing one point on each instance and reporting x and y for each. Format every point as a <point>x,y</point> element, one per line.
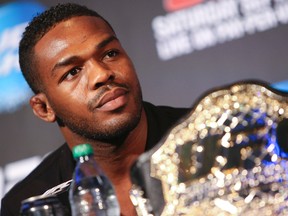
<point>89,80</point>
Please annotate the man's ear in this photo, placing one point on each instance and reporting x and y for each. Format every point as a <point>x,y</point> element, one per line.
<point>41,107</point>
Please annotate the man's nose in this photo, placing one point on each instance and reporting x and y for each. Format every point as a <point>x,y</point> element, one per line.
<point>99,75</point>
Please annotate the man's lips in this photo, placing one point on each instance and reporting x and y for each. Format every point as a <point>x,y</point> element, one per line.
<point>112,99</point>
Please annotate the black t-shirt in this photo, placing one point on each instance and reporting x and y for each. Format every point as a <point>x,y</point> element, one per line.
<point>58,167</point>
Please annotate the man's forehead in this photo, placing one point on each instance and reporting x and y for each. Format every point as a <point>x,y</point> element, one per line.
<point>75,29</point>
<point>91,21</point>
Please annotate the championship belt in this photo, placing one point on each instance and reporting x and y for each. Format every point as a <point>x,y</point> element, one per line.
<point>228,156</point>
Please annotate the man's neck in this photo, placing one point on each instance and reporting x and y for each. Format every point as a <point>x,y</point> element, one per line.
<point>115,158</point>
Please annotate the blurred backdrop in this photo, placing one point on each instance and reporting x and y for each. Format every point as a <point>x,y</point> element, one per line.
<point>180,48</point>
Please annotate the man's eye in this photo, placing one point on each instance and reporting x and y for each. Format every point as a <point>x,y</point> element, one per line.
<point>112,53</point>
<point>72,73</point>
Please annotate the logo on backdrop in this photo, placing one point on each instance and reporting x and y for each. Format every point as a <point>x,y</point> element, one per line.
<point>14,91</point>
<point>172,5</point>
<point>191,26</point>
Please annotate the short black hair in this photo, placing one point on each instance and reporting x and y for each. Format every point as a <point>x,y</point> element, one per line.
<point>37,28</point>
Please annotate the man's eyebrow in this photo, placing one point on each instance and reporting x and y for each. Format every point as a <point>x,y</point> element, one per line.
<point>72,59</point>
<point>64,62</point>
<point>106,42</point>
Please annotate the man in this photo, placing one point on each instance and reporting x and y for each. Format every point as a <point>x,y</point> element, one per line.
<point>84,80</point>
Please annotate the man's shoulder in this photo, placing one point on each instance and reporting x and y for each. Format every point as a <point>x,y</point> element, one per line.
<point>49,173</point>
<point>160,119</point>
<point>165,108</point>
<point>165,113</point>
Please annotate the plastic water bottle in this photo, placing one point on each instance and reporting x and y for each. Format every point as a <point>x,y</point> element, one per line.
<point>91,192</point>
